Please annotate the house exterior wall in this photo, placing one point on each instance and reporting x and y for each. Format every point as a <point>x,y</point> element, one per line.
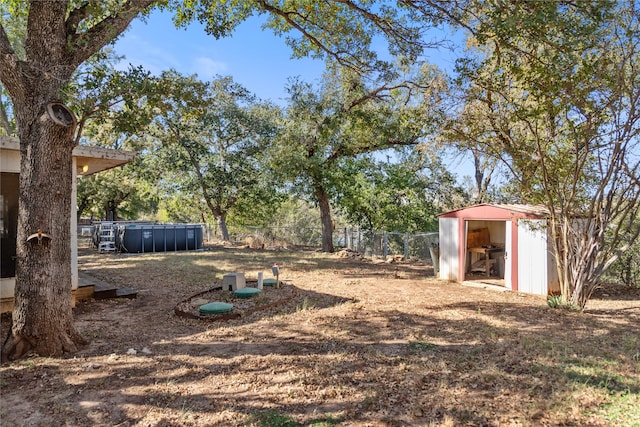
<point>449,248</point>
<point>7,284</point>
<point>74,225</point>
<point>86,160</point>
<point>9,162</point>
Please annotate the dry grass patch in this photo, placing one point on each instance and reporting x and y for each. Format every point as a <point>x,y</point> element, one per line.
<point>363,343</point>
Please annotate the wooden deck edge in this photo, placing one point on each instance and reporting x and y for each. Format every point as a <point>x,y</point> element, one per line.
<point>83,293</point>
<point>6,305</point>
<point>80,294</point>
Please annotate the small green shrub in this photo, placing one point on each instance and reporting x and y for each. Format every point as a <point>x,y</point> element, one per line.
<point>556,301</point>
<point>306,305</point>
<point>273,418</point>
<point>559,301</point>
<point>419,346</point>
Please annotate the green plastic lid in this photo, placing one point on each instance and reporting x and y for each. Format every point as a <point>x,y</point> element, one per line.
<point>216,307</point>
<point>246,292</point>
<point>269,282</point>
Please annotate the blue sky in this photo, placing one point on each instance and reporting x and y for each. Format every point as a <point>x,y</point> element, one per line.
<point>257,59</point>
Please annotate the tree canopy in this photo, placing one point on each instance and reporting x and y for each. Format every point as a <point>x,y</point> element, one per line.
<point>553,92</point>
<point>348,116</point>
<point>42,45</point>
<point>213,138</point>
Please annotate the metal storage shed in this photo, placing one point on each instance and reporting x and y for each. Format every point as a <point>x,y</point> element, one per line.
<point>508,244</point>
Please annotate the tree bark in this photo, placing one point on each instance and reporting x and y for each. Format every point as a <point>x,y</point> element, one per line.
<point>42,317</point>
<point>325,217</point>
<point>221,219</point>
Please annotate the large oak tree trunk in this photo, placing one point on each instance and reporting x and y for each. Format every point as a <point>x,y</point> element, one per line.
<point>57,41</point>
<point>42,317</point>
<point>325,218</point>
<point>221,219</point>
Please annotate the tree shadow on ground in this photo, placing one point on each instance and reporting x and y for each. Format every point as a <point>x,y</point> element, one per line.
<point>468,363</point>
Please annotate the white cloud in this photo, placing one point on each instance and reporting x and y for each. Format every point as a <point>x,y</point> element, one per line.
<point>206,68</point>
<point>138,51</point>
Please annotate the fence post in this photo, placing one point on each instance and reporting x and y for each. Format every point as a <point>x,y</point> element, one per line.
<point>385,245</point>
<point>346,239</point>
<point>406,245</point>
<point>359,240</point>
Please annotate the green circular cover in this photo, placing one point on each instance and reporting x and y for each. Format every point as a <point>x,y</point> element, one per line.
<point>216,307</point>
<point>269,282</point>
<point>246,292</point>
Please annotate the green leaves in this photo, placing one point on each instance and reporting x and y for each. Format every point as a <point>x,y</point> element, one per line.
<point>332,131</point>
<point>213,140</point>
<point>344,32</point>
<point>553,92</point>
<point>102,95</point>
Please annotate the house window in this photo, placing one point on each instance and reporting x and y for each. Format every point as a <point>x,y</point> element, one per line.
<point>9,189</point>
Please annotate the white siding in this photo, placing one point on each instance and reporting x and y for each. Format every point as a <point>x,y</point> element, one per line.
<point>508,253</point>
<point>532,257</point>
<point>9,161</point>
<point>74,225</point>
<point>449,244</point>
<point>553,282</point>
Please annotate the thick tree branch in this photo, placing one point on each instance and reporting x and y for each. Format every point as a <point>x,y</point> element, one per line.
<point>287,16</point>
<point>84,45</point>
<point>9,63</point>
<point>75,17</point>
<point>5,45</point>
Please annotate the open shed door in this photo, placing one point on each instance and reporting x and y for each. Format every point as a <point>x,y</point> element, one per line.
<point>532,257</point>
<point>449,248</point>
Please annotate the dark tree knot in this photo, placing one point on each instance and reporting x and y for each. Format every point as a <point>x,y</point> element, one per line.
<point>61,115</point>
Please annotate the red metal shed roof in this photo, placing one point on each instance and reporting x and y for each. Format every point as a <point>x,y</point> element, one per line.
<point>498,212</point>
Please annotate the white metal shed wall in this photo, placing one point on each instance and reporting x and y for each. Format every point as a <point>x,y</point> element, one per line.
<point>449,244</point>
<point>532,257</point>
<point>553,281</point>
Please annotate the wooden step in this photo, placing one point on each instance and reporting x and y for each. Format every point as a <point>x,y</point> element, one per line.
<point>107,292</point>
<point>84,292</point>
<point>126,293</point>
<point>103,290</point>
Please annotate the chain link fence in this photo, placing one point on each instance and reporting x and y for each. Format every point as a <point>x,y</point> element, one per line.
<point>369,243</point>
<point>382,244</point>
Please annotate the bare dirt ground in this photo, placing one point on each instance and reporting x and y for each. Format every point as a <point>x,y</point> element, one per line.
<point>363,343</point>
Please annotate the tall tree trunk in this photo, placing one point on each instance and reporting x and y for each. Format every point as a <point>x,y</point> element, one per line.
<point>325,217</point>
<point>111,210</point>
<point>42,317</point>
<point>82,206</point>
<point>479,176</point>
<point>221,219</point>
<point>55,45</point>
